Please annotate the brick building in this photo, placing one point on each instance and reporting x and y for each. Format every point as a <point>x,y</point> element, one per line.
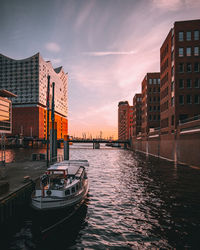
<point>150,102</point>
<point>180,75</point>
<point>124,125</point>
<point>137,114</point>
<point>27,78</point>
<point>130,121</point>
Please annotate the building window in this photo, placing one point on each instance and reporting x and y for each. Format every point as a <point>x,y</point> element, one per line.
<point>154,117</point>
<point>150,81</point>
<point>172,120</point>
<point>196,99</point>
<point>180,36</point>
<point>188,35</point>
<point>196,83</point>
<point>188,51</point>
<point>158,107</point>
<point>180,52</point>
<point>158,80</point>
<point>154,108</point>
<point>181,99</point>
<point>172,70</point>
<point>172,41</point>
<point>154,90</point>
<point>150,118</point>
<point>196,35</point>
<point>154,81</point>
<point>172,101</point>
<point>172,55</point>
<point>181,83</point>
<point>196,51</point>
<point>150,99</point>
<point>158,117</point>
<point>181,67</point>
<point>196,67</point>
<point>189,99</point>
<point>150,108</point>
<point>172,86</point>
<point>189,83</point>
<point>189,67</point>
<point>154,99</point>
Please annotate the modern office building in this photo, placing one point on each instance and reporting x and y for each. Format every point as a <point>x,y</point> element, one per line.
<point>5,111</point>
<point>137,114</point>
<point>124,127</point>
<point>150,102</point>
<point>27,78</point>
<point>180,75</point>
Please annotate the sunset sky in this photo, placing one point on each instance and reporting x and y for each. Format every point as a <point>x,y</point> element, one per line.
<point>106,46</point>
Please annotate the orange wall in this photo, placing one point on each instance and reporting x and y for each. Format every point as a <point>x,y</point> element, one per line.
<point>33,120</point>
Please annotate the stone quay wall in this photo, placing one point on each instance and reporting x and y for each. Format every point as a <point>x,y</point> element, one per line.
<point>182,146</point>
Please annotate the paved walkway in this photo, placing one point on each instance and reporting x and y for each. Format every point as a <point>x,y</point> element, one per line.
<point>16,171</point>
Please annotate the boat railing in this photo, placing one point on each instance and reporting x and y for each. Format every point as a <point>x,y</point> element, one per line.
<point>57,158</point>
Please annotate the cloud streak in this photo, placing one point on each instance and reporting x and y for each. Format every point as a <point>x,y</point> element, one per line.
<point>174,5</point>
<point>109,53</point>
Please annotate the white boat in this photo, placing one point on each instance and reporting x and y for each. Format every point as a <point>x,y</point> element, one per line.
<point>63,185</point>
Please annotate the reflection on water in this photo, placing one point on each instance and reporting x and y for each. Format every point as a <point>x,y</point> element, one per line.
<point>134,203</point>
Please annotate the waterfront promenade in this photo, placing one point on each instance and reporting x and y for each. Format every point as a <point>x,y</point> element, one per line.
<point>16,188</point>
<point>16,171</point>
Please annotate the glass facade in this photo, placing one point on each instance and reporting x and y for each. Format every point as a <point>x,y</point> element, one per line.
<point>5,116</point>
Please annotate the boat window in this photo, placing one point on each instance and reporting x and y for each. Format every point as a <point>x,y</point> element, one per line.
<point>67,192</point>
<point>73,189</point>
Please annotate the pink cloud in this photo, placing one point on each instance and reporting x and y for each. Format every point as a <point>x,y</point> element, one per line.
<point>51,46</point>
<point>109,53</point>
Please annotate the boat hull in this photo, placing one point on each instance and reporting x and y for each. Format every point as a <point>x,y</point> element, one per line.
<point>46,222</point>
<point>53,203</point>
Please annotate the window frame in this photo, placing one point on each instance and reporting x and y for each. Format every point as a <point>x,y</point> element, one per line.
<point>190,99</point>
<point>196,51</point>
<point>181,96</point>
<point>181,52</point>
<point>181,36</point>
<point>188,51</point>
<point>181,80</point>
<point>196,38</point>
<point>198,98</point>
<point>196,63</point>
<point>188,37</point>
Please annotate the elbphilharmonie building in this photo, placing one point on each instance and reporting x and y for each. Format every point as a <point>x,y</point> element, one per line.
<point>27,78</point>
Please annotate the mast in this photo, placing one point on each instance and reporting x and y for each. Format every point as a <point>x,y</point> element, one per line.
<point>52,120</point>
<point>48,90</point>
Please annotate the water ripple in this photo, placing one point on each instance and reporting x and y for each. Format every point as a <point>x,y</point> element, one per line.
<point>134,203</point>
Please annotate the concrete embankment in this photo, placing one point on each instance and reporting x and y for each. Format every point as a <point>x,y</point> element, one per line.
<point>181,147</point>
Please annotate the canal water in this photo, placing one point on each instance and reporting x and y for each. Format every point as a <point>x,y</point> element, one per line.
<point>134,202</point>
